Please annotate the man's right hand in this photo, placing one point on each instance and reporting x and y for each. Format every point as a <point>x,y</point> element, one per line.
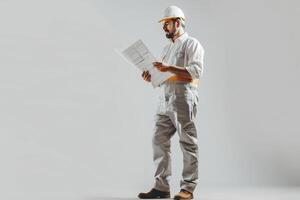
<point>146,76</point>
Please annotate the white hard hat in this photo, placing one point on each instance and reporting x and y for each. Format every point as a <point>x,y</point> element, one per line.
<point>172,12</point>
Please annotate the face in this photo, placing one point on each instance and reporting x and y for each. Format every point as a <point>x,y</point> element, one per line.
<point>169,27</point>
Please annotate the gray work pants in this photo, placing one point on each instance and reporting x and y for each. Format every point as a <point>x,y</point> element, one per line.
<point>176,112</point>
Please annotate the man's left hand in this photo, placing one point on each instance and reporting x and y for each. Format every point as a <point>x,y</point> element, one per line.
<point>161,66</point>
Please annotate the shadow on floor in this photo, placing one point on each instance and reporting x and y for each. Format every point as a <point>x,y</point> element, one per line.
<point>124,198</point>
<point>112,198</point>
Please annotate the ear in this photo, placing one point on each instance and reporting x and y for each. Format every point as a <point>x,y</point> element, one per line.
<point>177,23</point>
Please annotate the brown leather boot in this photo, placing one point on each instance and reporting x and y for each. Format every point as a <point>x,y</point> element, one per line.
<point>184,195</point>
<point>154,194</point>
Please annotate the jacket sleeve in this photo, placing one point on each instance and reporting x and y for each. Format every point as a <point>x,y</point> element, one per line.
<point>195,54</point>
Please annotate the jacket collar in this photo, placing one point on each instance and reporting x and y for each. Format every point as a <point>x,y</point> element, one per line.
<point>181,38</point>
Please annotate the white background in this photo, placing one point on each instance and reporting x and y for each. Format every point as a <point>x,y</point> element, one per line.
<point>76,120</point>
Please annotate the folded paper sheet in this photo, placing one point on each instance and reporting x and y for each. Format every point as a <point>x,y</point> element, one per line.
<point>139,55</point>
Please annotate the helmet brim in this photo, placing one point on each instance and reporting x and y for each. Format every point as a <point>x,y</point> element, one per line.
<point>167,18</point>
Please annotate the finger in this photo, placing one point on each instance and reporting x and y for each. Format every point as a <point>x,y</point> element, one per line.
<point>156,63</point>
<point>149,78</point>
<point>145,75</point>
<point>156,66</point>
<point>159,68</point>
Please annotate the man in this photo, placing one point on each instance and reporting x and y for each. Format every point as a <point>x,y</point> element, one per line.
<point>183,57</point>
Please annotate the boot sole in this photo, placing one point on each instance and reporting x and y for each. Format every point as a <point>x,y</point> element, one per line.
<point>158,197</point>
<point>179,198</point>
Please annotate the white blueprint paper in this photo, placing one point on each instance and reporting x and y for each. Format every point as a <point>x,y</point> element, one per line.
<point>139,55</point>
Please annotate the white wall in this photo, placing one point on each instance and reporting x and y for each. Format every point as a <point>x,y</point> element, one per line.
<point>76,119</point>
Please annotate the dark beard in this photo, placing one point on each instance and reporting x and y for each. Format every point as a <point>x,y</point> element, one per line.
<point>170,35</point>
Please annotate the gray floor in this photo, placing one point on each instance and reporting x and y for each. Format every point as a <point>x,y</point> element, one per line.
<point>200,194</point>
<point>232,194</point>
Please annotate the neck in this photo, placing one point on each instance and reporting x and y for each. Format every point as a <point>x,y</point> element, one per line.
<point>177,35</point>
